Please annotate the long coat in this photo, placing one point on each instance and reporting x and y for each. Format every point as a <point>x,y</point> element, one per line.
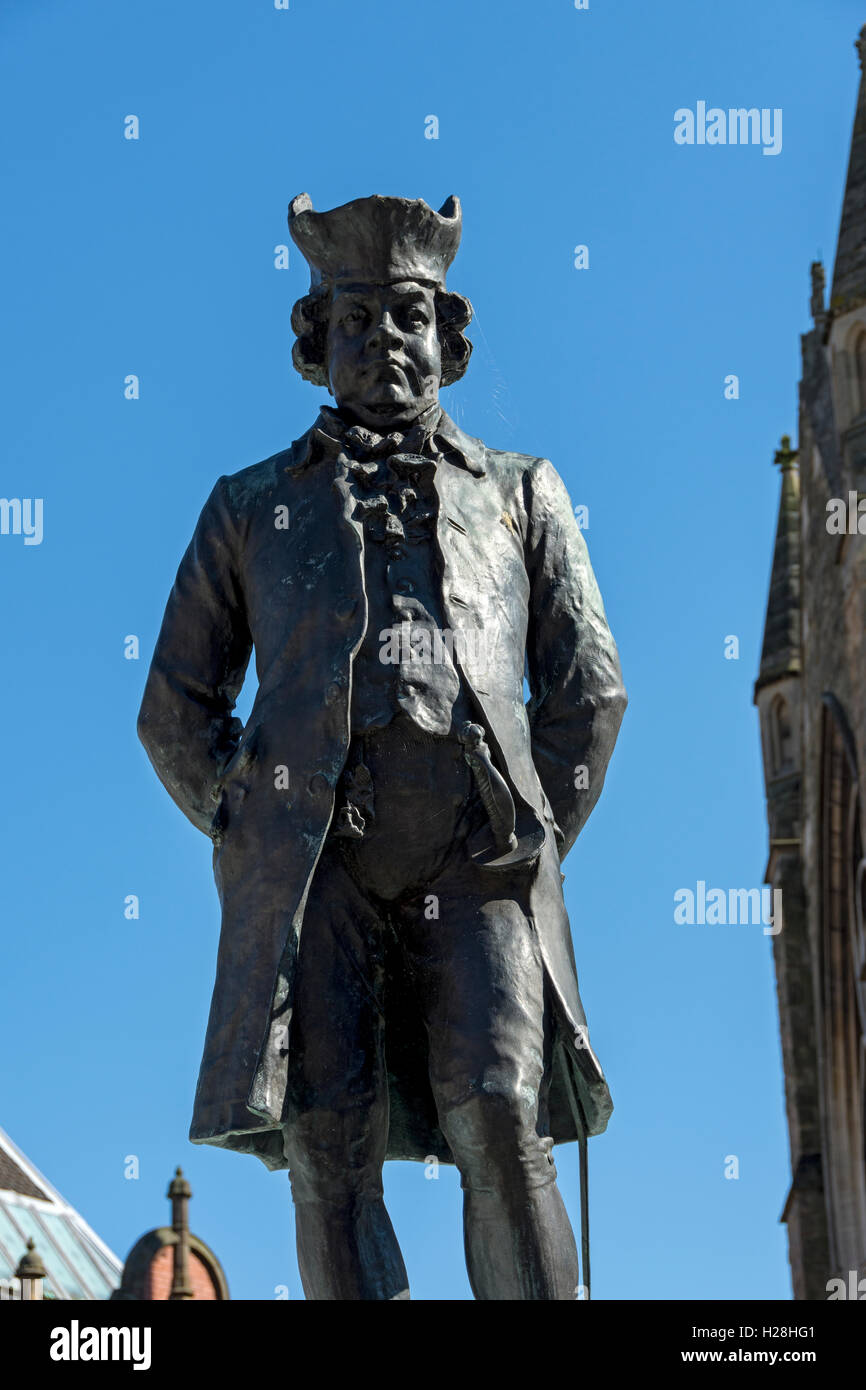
<point>276,564</point>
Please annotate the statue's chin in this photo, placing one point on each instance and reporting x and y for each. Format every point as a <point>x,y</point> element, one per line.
<point>376,413</point>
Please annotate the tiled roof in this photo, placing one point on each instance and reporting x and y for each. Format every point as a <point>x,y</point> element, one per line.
<point>14,1179</point>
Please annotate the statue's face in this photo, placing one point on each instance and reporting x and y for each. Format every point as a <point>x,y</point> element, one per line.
<point>384,356</point>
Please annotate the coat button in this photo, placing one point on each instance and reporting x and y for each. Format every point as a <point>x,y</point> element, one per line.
<point>404,586</point>
<point>319,784</point>
<point>346,610</point>
<point>333,692</point>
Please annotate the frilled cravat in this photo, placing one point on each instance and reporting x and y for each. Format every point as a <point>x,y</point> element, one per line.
<point>365,444</point>
<point>390,475</point>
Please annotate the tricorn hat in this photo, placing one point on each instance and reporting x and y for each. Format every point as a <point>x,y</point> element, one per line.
<point>377,240</point>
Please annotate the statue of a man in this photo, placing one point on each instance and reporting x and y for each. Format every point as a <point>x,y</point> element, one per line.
<point>395,976</point>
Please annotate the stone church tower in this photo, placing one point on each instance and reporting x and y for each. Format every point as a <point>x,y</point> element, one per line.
<point>811,698</point>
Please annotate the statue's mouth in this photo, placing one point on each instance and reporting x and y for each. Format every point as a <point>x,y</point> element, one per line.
<point>389,371</point>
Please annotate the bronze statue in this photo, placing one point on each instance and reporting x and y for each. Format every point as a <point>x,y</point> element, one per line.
<point>395,976</point>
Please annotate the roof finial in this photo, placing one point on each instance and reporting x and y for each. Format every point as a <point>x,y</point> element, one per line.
<point>31,1271</point>
<point>786,457</point>
<point>819,281</point>
<point>180,1192</point>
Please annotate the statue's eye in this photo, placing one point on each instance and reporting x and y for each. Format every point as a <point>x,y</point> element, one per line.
<point>417,318</point>
<point>354,316</point>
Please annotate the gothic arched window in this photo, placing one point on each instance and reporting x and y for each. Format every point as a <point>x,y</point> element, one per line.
<point>843,953</point>
<point>860,373</point>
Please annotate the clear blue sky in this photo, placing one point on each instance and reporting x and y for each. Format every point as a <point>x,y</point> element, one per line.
<point>156,257</point>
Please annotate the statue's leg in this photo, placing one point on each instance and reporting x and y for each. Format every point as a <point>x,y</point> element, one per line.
<point>336,1118</point>
<point>482,991</point>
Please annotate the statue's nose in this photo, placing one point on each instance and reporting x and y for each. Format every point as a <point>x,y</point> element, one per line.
<point>385,334</point>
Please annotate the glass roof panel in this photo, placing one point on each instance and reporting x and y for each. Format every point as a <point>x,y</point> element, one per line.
<point>13,1241</point>
<point>111,1272</point>
<point>68,1239</point>
<point>7,1265</point>
<point>60,1275</point>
